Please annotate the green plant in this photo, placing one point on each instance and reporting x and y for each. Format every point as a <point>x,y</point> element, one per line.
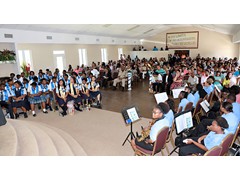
<point>7,55</point>
<point>25,68</point>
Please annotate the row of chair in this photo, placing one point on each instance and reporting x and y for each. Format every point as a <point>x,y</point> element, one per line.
<point>165,136</point>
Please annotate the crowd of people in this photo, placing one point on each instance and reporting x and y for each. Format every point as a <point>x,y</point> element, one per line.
<point>200,78</point>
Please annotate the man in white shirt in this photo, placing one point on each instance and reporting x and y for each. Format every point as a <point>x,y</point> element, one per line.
<point>156,82</point>
<point>192,80</point>
<point>122,77</point>
<point>95,72</point>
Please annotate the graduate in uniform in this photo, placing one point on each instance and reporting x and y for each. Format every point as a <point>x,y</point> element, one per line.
<point>4,100</point>
<point>62,96</point>
<point>94,91</point>
<point>35,97</point>
<point>46,93</point>
<point>19,99</point>
<point>73,94</point>
<point>84,89</point>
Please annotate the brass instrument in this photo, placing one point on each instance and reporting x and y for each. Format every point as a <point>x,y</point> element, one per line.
<point>145,132</point>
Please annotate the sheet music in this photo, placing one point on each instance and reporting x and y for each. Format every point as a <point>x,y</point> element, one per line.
<point>205,105</point>
<point>176,92</point>
<point>161,97</point>
<point>132,114</point>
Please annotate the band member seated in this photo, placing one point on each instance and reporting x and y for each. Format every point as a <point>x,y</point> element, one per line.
<point>46,93</point>
<point>35,97</point>
<point>62,95</point>
<point>202,144</point>
<point>73,94</point>
<point>19,99</point>
<point>4,100</point>
<point>158,122</point>
<point>94,91</point>
<point>84,89</point>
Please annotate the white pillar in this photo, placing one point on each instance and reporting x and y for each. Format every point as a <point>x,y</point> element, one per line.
<point>129,80</point>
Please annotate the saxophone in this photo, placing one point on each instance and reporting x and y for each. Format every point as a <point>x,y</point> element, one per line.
<point>146,131</point>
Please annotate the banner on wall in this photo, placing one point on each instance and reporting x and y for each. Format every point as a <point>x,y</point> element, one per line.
<point>182,40</point>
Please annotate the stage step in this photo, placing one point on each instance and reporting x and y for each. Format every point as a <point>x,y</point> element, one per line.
<point>8,140</point>
<point>28,138</point>
<point>26,141</point>
<point>61,146</point>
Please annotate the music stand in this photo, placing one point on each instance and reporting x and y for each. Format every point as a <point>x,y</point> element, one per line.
<point>183,122</point>
<point>130,115</point>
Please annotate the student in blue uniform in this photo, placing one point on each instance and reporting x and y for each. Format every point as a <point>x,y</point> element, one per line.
<point>183,101</point>
<point>204,143</point>
<point>84,89</point>
<point>236,106</point>
<point>19,99</point>
<point>35,97</point>
<point>46,93</point>
<point>62,96</point>
<point>160,122</point>
<point>25,83</point>
<point>4,100</point>
<point>190,96</point>
<point>73,94</point>
<point>94,91</point>
<point>52,88</point>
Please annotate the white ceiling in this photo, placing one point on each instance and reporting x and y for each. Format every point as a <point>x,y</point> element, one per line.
<point>139,31</point>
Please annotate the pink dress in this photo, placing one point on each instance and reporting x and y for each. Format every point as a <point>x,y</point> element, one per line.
<point>175,85</point>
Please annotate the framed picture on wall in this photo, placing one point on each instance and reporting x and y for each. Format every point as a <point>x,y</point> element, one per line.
<point>182,40</point>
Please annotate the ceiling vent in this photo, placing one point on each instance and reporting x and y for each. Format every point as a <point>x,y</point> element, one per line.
<point>97,40</point>
<point>76,38</point>
<point>125,41</point>
<point>49,37</point>
<point>113,41</point>
<point>8,35</point>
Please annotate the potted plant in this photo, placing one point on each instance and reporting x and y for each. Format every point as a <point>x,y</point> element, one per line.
<point>7,55</point>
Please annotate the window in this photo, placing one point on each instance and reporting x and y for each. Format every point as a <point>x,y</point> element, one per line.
<point>120,52</point>
<point>82,57</point>
<point>25,59</point>
<point>104,54</point>
<point>59,60</point>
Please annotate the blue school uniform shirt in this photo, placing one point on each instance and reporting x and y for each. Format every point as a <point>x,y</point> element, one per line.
<point>196,98</point>
<point>233,122</point>
<point>52,86</point>
<point>213,139</point>
<point>44,88</point>
<point>183,103</point>
<point>191,98</point>
<point>10,90</point>
<point>5,95</point>
<point>22,91</point>
<point>35,90</point>
<point>236,109</point>
<point>208,89</point>
<point>79,80</point>
<point>157,127</point>
<point>170,117</point>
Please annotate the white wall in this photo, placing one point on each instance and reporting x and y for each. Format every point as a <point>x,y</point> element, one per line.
<point>211,44</point>
<point>42,54</point>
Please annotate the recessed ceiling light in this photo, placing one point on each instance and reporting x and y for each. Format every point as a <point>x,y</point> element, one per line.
<point>134,27</point>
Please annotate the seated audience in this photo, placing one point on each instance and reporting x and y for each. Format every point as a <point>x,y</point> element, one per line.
<point>122,77</point>
<point>183,101</point>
